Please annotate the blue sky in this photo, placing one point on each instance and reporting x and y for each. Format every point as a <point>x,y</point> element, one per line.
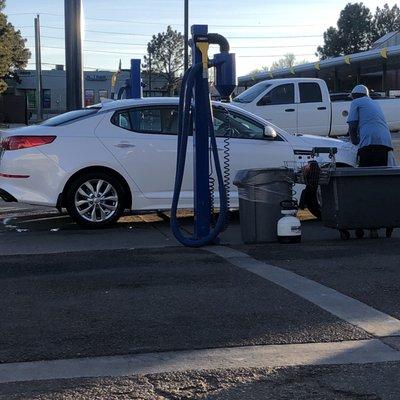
<point>258,30</point>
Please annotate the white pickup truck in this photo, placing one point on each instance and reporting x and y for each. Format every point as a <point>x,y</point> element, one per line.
<point>303,105</point>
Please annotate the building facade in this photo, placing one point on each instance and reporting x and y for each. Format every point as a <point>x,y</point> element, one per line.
<point>378,68</point>
<point>97,85</point>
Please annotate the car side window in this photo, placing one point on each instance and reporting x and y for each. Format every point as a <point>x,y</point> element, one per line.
<point>228,124</point>
<point>310,92</point>
<point>157,120</point>
<point>282,94</point>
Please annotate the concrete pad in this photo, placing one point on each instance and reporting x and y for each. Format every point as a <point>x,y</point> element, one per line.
<point>353,311</point>
<point>350,352</point>
<point>366,270</point>
<point>122,302</point>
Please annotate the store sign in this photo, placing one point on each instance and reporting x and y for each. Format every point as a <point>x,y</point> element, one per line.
<point>96,77</point>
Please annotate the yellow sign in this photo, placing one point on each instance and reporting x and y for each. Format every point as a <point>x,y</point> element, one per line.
<point>317,65</point>
<point>384,53</point>
<point>347,60</point>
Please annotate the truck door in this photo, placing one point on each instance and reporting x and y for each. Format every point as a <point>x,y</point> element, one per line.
<point>313,110</point>
<point>278,107</point>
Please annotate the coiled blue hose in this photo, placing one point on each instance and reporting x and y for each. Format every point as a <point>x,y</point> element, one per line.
<point>185,127</point>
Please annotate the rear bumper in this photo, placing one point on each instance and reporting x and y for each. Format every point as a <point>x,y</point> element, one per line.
<point>7,197</point>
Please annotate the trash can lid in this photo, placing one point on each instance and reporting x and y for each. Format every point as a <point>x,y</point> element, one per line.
<point>260,176</point>
<point>366,171</point>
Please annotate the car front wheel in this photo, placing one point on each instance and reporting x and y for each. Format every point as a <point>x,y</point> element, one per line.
<point>95,200</point>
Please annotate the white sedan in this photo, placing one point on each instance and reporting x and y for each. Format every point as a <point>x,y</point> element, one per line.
<point>99,161</point>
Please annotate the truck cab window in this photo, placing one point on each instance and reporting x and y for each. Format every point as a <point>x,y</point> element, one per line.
<point>282,94</point>
<point>310,92</point>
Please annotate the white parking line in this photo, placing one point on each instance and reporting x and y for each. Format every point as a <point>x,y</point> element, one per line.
<point>348,352</point>
<point>346,308</point>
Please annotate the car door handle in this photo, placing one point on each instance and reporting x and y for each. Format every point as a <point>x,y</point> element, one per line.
<point>290,110</point>
<point>124,145</point>
<point>321,108</point>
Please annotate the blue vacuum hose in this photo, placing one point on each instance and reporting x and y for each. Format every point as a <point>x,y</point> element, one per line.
<point>185,128</point>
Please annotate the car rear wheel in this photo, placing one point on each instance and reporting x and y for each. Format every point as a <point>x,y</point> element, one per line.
<point>95,200</point>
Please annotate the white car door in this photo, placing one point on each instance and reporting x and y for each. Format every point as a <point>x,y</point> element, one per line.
<point>279,107</point>
<point>313,110</point>
<point>241,139</point>
<point>144,140</point>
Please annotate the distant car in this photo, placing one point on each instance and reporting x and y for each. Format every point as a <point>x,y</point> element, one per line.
<point>99,161</point>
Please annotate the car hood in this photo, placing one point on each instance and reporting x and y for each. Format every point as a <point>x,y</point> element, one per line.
<point>347,152</point>
<point>320,141</point>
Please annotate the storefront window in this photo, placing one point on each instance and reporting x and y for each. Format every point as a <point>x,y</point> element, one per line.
<point>31,99</point>
<point>89,97</point>
<point>46,98</point>
<point>103,94</point>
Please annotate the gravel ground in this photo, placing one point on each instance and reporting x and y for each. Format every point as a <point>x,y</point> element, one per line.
<point>350,382</point>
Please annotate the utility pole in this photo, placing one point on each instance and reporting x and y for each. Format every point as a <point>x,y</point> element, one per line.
<point>73,53</point>
<point>186,36</point>
<point>150,54</point>
<point>38,57</point>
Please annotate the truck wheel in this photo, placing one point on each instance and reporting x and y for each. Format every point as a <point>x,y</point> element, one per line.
<point>95,200</point>
<point>312,201</point>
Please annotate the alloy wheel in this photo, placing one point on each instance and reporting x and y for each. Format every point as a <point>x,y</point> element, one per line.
<point>96,200</point>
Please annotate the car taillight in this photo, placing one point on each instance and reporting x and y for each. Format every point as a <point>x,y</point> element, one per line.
<point>24,142</point>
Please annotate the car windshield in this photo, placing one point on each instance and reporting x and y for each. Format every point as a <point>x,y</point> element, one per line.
<point>70,116</point>
<point>252,93</point>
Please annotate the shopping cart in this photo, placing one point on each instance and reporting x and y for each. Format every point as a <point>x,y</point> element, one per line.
<point>314,172</point>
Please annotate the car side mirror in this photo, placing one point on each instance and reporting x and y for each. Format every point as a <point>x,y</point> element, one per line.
<point>269,133</point>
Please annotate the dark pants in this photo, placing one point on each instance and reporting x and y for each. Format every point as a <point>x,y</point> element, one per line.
<point>373,156</point>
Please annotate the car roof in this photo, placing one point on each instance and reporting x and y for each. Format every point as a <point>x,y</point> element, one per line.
<point>144,101</point>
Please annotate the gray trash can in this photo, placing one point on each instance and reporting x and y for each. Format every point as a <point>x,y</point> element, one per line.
<point>260,192</point>
<point>362,198</point>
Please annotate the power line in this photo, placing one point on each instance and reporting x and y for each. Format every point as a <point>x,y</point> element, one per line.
<point>95,51</point>
<point>176,24</point>
<point>231,37</point>
<point>145,44</point>
<point>275,55</point>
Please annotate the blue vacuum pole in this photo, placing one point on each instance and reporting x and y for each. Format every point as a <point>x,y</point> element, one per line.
<point>136,79</point>
<point>196,118</point>
<point>133,86</point>
<point>201,159</point>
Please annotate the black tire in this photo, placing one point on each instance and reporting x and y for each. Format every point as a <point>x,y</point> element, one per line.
<point>310,196</point>
<point>359,233</point>
<point>344,234</point>
<point>117,206</point>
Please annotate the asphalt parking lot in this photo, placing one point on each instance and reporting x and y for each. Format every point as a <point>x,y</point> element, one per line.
<point>127,313</point>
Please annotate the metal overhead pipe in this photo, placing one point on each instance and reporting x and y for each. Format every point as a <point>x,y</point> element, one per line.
<point>73,53</point>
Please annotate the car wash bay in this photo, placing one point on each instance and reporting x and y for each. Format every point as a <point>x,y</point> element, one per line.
<point>95,294</point>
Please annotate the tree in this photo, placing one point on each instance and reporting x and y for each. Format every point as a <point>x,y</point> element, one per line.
<point>386,20</point>
<point>13,53</point>
<point>357,29</point>
<point>288,61</point>
<point>354,32</point>
<point>166,57</point>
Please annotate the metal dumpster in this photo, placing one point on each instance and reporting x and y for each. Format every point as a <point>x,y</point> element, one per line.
<point>362,198</point>
<point>261,191</point>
